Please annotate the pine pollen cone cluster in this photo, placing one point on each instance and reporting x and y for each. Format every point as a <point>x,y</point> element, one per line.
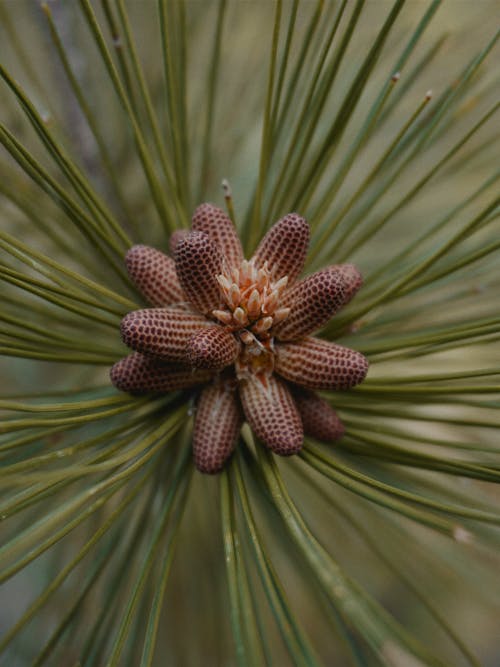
<point>241,330</point>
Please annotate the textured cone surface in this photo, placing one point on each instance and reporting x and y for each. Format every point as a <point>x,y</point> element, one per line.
<point>353,279</point>
<point>198,261</point>
<point>319,364</point>
<point>175,238</point>
<point>154,275</point>
<point>312,302</point>
<point>214,347</point>
<point>284,247</point>
<point>219,227</point>
<point>216,429</point>
<point>139,374</point>
<point>319,420</point>
<point>163,332</point>
<point>272,414</point>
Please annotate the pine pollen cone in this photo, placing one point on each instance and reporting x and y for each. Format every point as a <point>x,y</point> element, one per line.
<point>241,331</point>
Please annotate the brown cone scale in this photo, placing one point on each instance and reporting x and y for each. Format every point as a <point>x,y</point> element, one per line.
<point>218,226</point>
<point>353,280</point>
<point>319,419</point>
<point>272,414</point>
<point>319,364</point>
<point>284,247</point>
<point>162,332</point>
<point>154,275</point>
<point>217,425</point>
<point>312,302</point>
<point>140,374</point>
<point>175,239</point>
<point>198,262</point>
<point>214,347</point>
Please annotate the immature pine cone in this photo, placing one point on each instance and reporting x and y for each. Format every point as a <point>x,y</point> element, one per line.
<point>241,329</point>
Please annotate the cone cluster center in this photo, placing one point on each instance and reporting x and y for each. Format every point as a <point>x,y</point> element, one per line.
<point>250,308</point>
